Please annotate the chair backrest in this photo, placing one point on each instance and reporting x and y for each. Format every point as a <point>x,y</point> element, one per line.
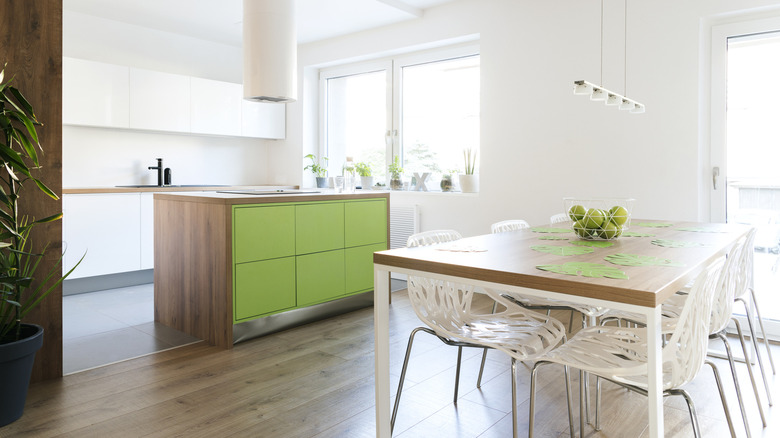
<point>686,350</point>
<point>745,268</point>
<point>732,278</point>
<point>510,225</point>
<point>558,218</point>
<point>432,237</point>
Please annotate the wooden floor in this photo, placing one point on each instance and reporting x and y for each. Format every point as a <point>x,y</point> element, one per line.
<point>317,381</point>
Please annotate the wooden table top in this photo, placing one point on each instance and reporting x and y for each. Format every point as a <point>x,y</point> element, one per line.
<point>507,258</point>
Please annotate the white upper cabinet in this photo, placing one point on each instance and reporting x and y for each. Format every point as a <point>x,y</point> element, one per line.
<point>263,120</point>
<point>159,101</point>
<point>95,94</point>
<point>216,107</point>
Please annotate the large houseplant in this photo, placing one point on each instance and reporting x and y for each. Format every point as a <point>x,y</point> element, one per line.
<point>19,293</point>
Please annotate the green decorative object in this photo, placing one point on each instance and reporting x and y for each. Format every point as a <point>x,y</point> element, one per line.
<point>550,230</point>
<point>640,260</point>
<point>633,234</point>
<point>654,224</point>
<point>553,237</point>
<point>676,243</point>
<point>593,270</point>
<point>701,230</point>
<point>562,250</point>
<point>593,243</point>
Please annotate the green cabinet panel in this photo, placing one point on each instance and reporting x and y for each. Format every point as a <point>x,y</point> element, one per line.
<point>261,233</point>
<point>320,277</point>
<point>319,227</point>
<point>359,270</point>
<point>365,222</point>
<point>264,287</point>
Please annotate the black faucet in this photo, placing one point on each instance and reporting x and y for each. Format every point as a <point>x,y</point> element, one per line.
<point>159,169</point>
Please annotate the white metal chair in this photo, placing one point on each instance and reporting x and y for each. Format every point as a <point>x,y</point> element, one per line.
<point>509,225</point>
<point>732,281</point>
<point>558,218</point>
<point>446,309</point>
<point>619,354</point>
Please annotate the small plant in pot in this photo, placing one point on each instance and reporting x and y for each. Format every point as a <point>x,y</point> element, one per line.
<point>19,292</point>
<point>395,170</point>
<point>364,170</point>
<point>469,182</point>
<point>446,181</point>
<point>320,171</point>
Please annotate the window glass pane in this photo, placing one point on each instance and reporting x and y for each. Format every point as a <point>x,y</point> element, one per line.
<point>357,111</point>
<point>439,116</point>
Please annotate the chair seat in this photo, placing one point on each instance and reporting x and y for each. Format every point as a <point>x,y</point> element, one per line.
<point>670,313</point>
<point>545,303</point>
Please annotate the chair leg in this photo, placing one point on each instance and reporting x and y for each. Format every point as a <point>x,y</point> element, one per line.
<point>750,370</point>
<point>733,367</point>
<point>763,331</point>
<point>583,398</point>
<point>568,399</point>
<point>482,368</point>
<point>457,376</point>
<point>754,339</point>
<point>514,398</point>
<point>597,424</point>
<point>722,397</point>
<point>691,412</point>
<point>403,377</point>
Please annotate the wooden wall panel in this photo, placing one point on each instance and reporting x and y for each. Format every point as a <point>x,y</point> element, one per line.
<point>31,44</point>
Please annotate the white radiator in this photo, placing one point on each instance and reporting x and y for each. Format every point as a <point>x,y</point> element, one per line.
<point>404,221</point>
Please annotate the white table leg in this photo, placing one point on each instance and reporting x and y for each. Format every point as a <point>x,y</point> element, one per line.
<point>382,351</point>
<point>655,373</point>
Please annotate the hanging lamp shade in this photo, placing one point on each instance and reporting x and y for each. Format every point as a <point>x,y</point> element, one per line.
<point>270,51</point>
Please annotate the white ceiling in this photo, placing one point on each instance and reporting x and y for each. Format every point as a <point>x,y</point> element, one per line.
<point>220,20</point>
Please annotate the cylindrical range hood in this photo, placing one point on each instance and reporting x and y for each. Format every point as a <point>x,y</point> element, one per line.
<point>270,51</point>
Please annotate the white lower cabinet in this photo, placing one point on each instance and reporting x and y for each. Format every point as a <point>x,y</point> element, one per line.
<point>105,227</point>
<point>147,230</point>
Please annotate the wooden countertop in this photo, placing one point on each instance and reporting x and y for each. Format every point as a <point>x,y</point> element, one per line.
<point>166,189</point>
<point>235,199</point>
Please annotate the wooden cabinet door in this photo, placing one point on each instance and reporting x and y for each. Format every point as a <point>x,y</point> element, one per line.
<point>319,227</point>
<point>261,233</point>
<point>365,222</point>
<point>359,267</point>
<point>263,288</point>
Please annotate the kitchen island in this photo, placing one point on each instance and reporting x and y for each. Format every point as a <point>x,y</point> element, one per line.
<point>231,266</point>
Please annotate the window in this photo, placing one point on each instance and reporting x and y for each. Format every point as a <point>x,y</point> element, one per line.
<point>422,108</point>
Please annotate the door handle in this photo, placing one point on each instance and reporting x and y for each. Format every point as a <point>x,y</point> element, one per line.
<point>715,175</point>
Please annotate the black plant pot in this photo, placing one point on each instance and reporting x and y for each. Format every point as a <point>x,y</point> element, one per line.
<point>16,363</point>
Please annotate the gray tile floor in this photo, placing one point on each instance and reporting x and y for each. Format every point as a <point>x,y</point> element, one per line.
<point>109,326</point>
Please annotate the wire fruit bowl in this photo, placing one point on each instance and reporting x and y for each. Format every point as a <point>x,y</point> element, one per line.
<point>599,218</point>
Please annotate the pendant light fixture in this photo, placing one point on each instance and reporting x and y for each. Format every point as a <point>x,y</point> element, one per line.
<point>599,93</point>
<point>270,51</point>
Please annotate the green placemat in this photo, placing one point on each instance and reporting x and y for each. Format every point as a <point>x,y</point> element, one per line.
<point>593,243</point>
<point>551,230</point>
<point>701,230</point>
<point>640,260</point>
<point>676,243</point>
<point>633,234</point>
<point>593,270</point>
<point>553,237</point>
<point>562,250</point>
<point>654,224</point>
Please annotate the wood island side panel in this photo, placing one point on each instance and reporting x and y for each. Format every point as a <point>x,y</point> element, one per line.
<point>192,275</point>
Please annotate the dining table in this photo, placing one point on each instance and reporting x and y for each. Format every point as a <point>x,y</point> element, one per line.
<point>636,272</point>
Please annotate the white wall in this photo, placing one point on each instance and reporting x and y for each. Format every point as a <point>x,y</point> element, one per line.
<point>95,157</point>
<point>539,142</point>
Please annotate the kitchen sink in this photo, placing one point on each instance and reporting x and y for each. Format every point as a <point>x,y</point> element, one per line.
<point>144,186</point>
<point>267,192</point>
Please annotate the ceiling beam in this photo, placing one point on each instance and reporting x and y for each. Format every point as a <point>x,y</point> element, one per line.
<point>398,4</point>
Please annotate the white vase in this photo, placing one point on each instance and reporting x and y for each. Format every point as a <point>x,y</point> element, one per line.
<point>469,183</point>
<point>366,182</point>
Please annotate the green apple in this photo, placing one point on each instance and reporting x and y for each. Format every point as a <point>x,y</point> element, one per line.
<point>580,229</point>
<point>577,212</point>
<point>618,215</point>
<point>593,218</point>
<point>608,230</point>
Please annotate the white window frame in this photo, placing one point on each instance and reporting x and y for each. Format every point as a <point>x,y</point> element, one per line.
<point>392,65</point>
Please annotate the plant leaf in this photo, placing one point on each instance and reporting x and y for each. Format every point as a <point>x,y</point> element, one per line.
<point>593,243</point>
<point>592,270</point>
<point>45,189</point>
<point>676,243</point>
<point>654,224</point>
<point>553,237</point>
<point>562,250</point>
<point>550,230</point>
<point>640,260</point>
<point>633,234</point>
<point>701,230</point>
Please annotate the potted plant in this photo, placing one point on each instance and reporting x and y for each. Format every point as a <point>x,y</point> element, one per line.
<point>319,171</point>
<point>19,293</point>
<point>364,170</point>
<point>469,182</point>
<point>446,181</point>
<point>395,170</point>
